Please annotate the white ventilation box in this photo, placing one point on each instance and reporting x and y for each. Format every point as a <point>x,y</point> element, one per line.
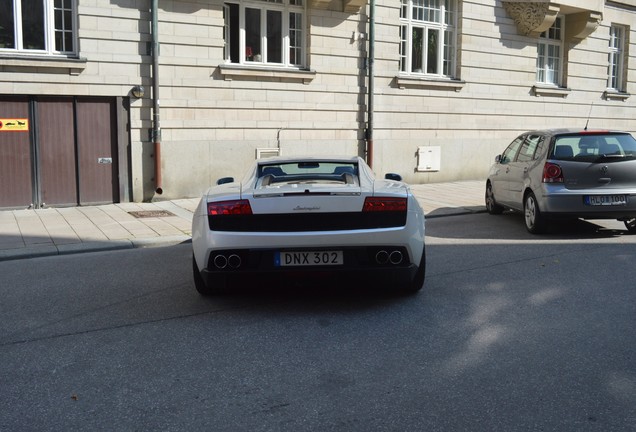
<point>429,158</point>
<point>267,152</point>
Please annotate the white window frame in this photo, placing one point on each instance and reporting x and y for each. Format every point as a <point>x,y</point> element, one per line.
<point>286,8</point>
<point>549,72</point>
<point>445,24</point>
<point>616,58</point>
<point>49,9</point>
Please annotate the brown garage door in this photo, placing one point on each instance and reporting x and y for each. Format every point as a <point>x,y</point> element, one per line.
<point>56,151</point>
<point>66,155</point>
<point>16,189</point>
<point>96,146</point>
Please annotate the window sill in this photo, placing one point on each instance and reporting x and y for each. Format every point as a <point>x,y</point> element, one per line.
<point>230,72</point>
<point>551,91</point>
<point>403,82</point>
<point>44,64</point>
<point>615,95</point>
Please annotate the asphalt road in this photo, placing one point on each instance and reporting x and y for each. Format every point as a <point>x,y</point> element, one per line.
<point>511,332</point>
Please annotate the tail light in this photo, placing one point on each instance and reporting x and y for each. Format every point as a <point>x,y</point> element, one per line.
<point>235,207</point>
<point>383,204</point>
<point>552,173</point>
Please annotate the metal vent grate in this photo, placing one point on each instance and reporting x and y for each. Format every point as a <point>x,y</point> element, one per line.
<point>151,213</point>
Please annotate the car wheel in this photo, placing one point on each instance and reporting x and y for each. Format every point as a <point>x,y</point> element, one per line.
<point>199,283</point>
<point>491,205</point>
<point>535,222</point>
<point>418,281</point>
<point>630,224</point>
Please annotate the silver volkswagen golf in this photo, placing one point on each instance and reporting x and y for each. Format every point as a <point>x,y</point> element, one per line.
<point>566,173</point>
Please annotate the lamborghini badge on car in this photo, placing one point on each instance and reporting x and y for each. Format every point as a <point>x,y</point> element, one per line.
<point>293,217</point>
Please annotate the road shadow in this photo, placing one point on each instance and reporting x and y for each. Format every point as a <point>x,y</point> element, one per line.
<point>510,225</point>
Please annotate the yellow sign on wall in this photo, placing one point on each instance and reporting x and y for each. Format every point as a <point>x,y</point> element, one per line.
<point>14,125</point>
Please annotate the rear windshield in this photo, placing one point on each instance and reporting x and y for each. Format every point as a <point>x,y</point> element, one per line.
<point>594,147</point>
<point>308,172</point>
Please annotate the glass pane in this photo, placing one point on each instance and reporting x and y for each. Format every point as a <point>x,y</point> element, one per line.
<point>510,153</point>
<point>403,49</point>
<point>449,54</point>
<point>295,38</point>
<point>613,76</point>
<point>417,51</point>
<point>274,37</point>
<point>33,24</point>
<point>432,52</point>
<point>418,10</point>
<point>540,63</point>
<point>449,12</point>
<point>68,20</point>
<point>68,40</point>
<point>432,11</point>
<point>252,34</point>
<point>7,31</point>
<point>553,64</point>
<point>63,23</point>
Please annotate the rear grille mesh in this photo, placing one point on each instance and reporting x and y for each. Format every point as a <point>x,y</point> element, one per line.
<point>307,222</point>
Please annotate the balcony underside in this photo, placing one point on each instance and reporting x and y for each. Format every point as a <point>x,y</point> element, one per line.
<point>533,18</point>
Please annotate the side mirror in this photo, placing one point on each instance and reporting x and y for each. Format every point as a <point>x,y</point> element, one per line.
<point>393,176</point>
<point>498,159</point>
<point>224,180</point>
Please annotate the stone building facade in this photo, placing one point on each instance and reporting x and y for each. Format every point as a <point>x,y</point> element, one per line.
<point>452,83</point>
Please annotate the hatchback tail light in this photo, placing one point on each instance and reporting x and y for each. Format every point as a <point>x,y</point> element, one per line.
<point>382,204</point>
<point>552,173</point>
<point>234,207</point>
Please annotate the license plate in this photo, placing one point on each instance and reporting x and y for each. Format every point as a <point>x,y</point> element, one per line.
<point>605,200</point>
<point>308,258</point>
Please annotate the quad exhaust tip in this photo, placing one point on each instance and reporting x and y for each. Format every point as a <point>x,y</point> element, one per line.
<point>221,261</point>
<point>234,261</point>
<point>383,257</point>
<point>395,257</point>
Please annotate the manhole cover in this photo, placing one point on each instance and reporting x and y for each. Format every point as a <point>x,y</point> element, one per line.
<point>150,213</point>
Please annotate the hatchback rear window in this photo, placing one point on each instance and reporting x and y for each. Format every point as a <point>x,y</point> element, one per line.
<point>594,147</point>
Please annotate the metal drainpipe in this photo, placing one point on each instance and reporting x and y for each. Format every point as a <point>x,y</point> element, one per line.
<point>369,134</point>
<point>156,123</point>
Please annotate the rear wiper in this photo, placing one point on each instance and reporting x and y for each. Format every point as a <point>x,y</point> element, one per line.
<point>613,157</point>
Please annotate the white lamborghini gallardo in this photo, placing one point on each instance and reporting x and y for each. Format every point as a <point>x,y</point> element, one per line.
<point>299,217</point>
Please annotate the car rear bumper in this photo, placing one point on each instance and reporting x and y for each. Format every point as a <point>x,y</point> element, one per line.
<point>562,202</point>
<point>206,242</point>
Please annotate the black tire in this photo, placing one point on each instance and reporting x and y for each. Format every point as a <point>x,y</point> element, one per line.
<point>535,221</point>
<point>199,283</point>
<point>418,280</point>
<point>491,205</point>
<point>630,224</point>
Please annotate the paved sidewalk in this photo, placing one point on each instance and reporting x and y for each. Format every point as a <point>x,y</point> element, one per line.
<point>57,231</point>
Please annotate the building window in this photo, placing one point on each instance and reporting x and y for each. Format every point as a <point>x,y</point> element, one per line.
<point>428,37</point>
<point>265,32</point>
<point>38,26</point>
<point>616,58</point>
<point>550,54</point>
